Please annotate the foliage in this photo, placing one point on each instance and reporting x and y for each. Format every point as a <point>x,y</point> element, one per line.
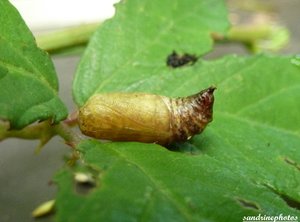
<point>27,76</point>
<point>134,44</point>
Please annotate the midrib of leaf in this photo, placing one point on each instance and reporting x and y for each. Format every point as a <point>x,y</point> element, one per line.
<point>158,186</point>
<point>267,97</point>
<point>17,52</point>
<point>255,123</point>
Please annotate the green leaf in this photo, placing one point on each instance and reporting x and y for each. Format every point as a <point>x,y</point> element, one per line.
<point>27,77</point>
<point>247,162</point>
<point>134,45</point>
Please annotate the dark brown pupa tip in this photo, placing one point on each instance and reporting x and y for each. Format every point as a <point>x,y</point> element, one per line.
<point>192,114</point>
<point>205,101</point>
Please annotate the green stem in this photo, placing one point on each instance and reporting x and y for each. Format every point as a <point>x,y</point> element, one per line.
<point>245,34</point>
<point>30,132</point>
<point>249,33</point>
<point>65,131</point>
<point>257,37</point>
<point>43,131</point>
<point>66,38</point>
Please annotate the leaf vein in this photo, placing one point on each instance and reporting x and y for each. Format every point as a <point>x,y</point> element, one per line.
<point>255,123</point>
<point>267,98</point>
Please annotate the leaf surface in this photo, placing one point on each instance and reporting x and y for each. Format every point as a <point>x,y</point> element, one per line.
<point>134,45</point>
<point>28,80</point>
<point>247,162</point>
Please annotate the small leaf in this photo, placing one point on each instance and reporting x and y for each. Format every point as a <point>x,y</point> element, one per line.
<point>134,45</point>
<point>27,76</point>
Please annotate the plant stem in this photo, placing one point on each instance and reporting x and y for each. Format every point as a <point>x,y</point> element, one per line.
<point>43,131</point>
<point>248,35</point>
<point>257,37</point>
<point>66,38</point>
<point>71,138</point>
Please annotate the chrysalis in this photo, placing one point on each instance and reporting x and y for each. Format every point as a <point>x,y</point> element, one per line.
<point>146,117</point>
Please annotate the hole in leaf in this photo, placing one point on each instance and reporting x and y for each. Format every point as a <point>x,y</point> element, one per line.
<point>175,60</point>
<point>248,204</point>
<point>84,182</point>
<point>288,200</point>
<point>292,163</point>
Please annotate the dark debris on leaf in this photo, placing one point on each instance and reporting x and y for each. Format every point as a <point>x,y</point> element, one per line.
<point>175,60</point>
